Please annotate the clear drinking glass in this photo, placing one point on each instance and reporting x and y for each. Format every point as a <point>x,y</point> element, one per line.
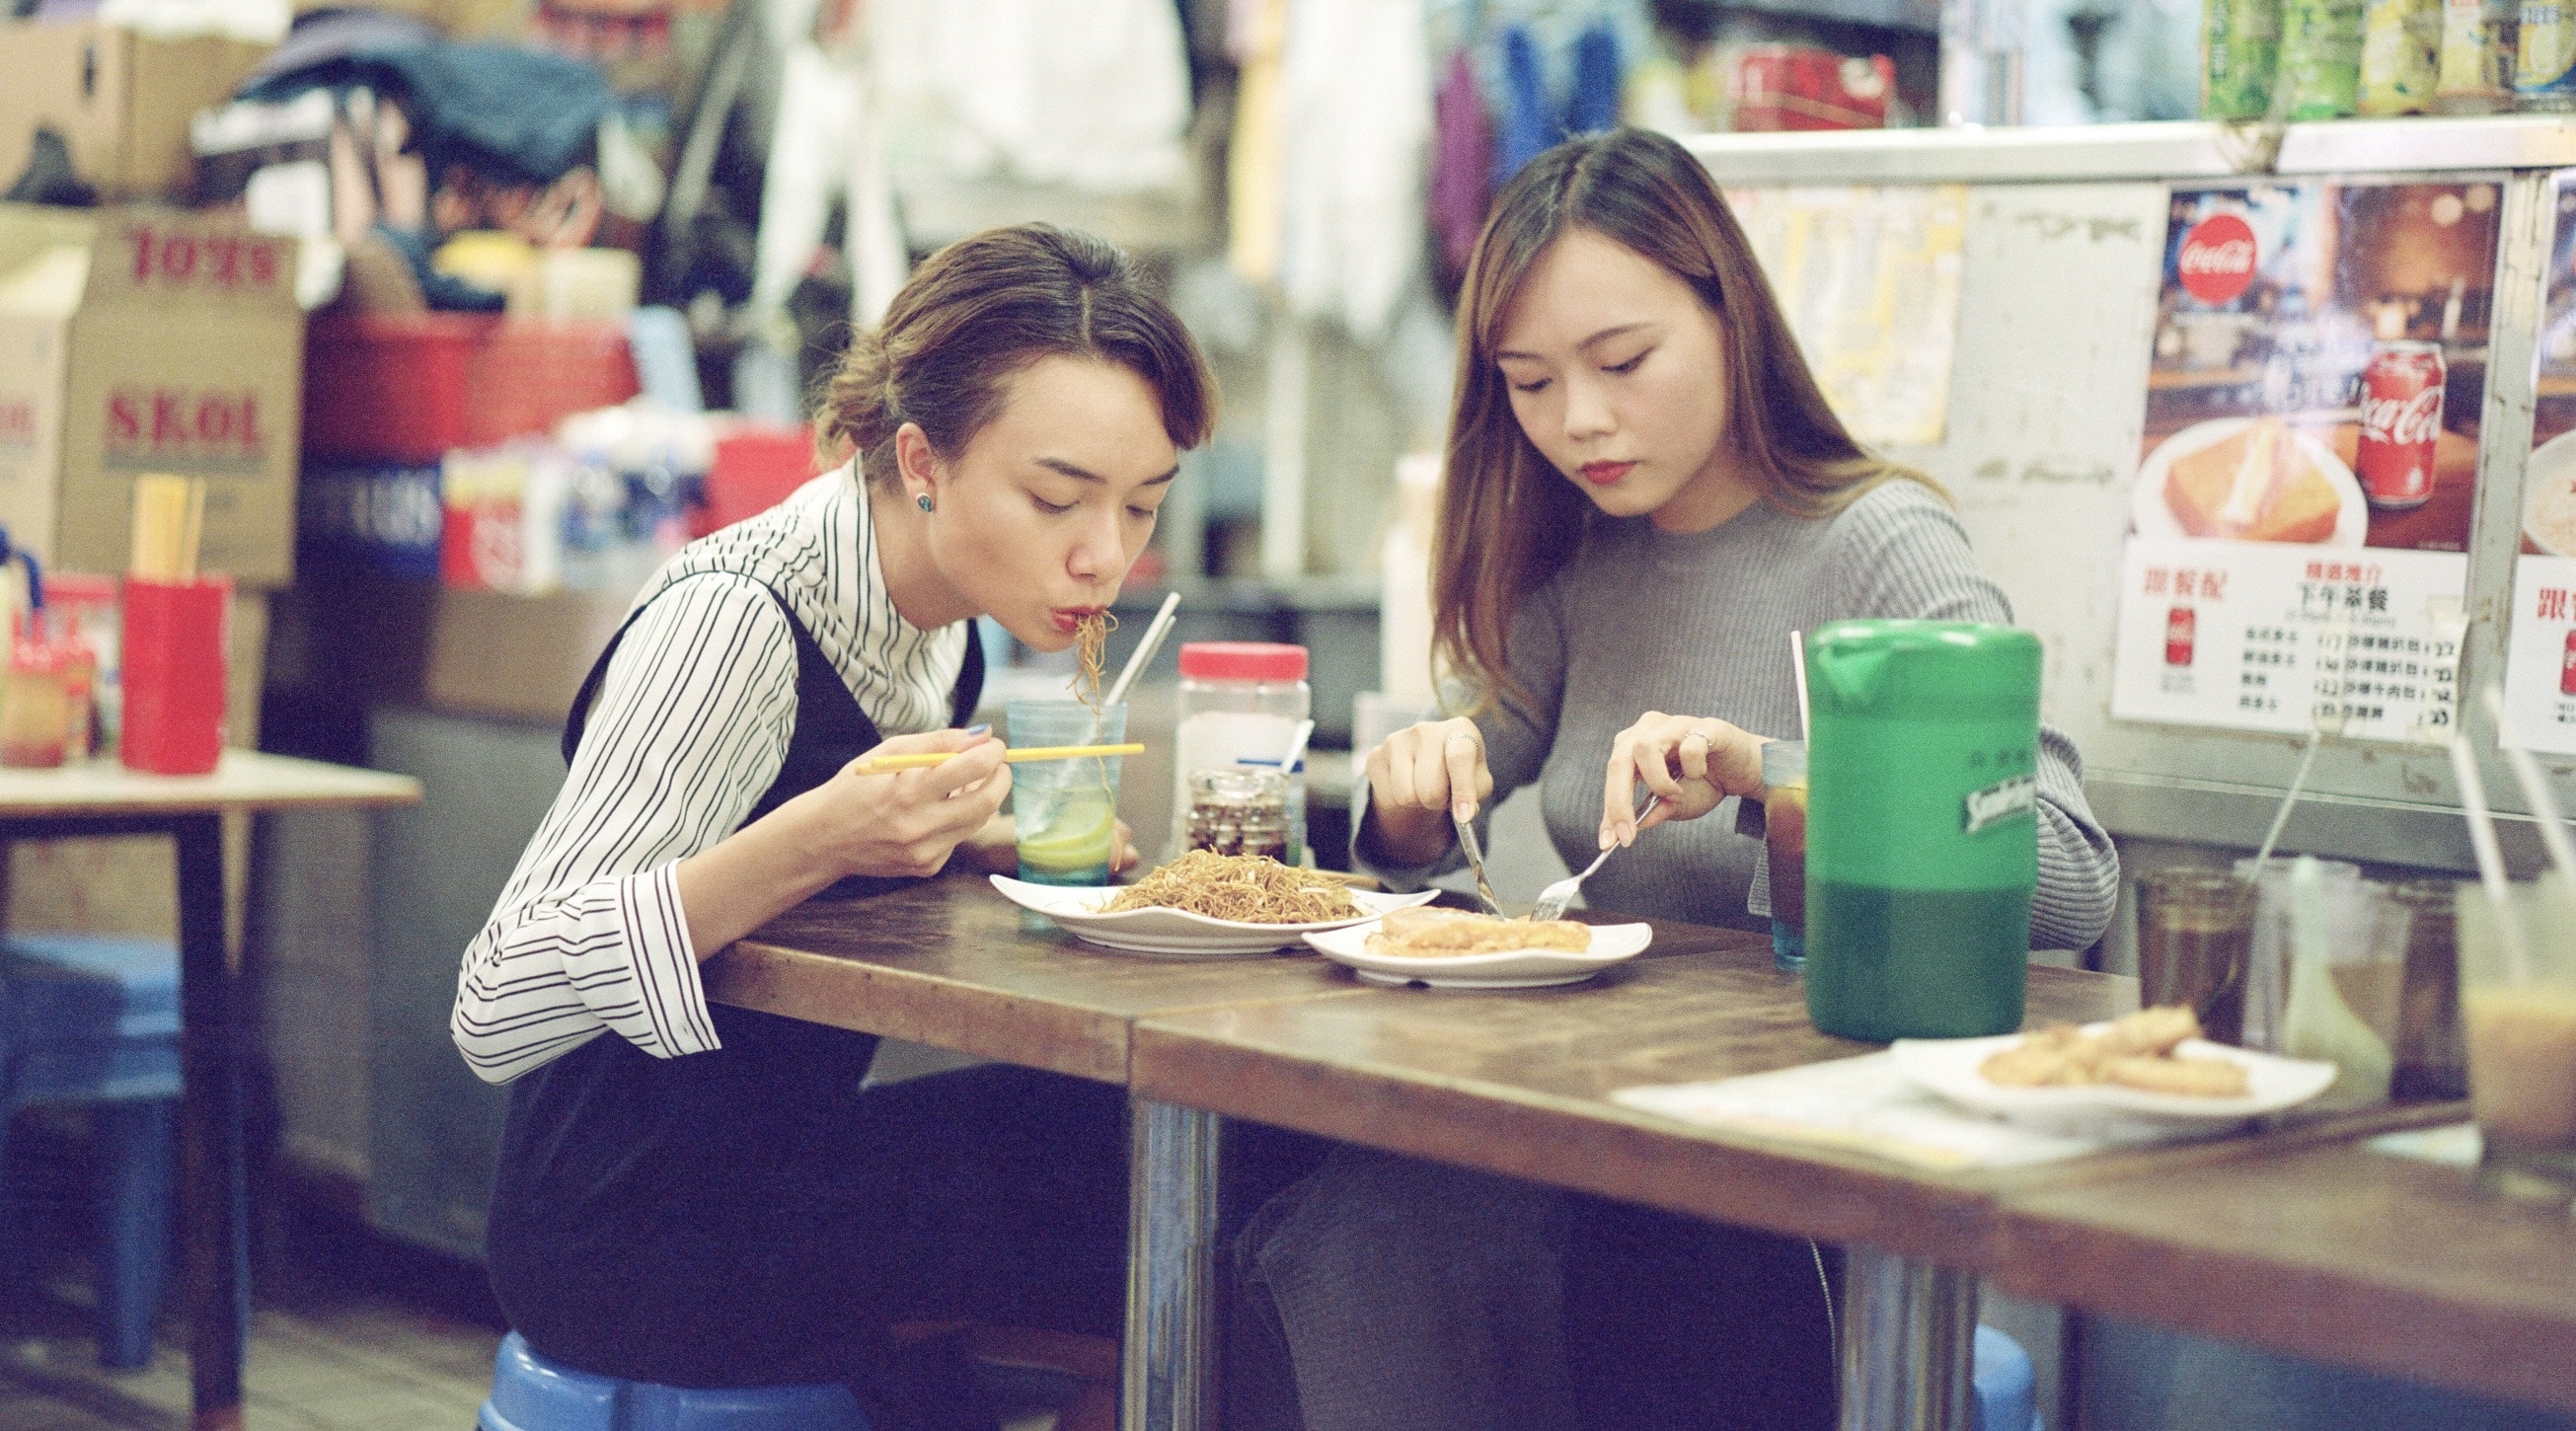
<point>2195,932</point>
<point>2267,966</point>
<point>2431,1060</point>
<point>1784,825</point>
<point>1065,812</point>
<point>2518,998</point>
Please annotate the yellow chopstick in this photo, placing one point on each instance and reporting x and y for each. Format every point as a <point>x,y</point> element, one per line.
<point>1017,757</point>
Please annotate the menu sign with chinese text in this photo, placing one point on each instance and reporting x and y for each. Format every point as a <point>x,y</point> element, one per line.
<point>2540,644</point>
<point>2300,517</point>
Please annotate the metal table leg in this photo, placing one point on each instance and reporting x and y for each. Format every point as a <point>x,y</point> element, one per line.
<point>218,1279</point>
<point>1909,1344</point>
<point>1170,1370</point>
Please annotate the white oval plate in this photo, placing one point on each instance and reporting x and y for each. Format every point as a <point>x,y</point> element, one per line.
<point>2152,517</point>
<point>1509,969</point>
<point>1948,1067</point>
<point>2551,463</point>
<point>1178,931</point>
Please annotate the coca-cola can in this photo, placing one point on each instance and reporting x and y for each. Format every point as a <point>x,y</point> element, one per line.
<point>2401,420</point>
<point>2180,626</point>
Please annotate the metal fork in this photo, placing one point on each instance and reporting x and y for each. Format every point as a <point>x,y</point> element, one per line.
<point>1553,899</point>
<point>1476,863</point>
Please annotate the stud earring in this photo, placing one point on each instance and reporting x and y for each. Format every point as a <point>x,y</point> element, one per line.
<point>922,501</point>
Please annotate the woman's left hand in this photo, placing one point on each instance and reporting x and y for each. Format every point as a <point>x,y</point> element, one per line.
<point>1692,761</point>
<point>995,849</point>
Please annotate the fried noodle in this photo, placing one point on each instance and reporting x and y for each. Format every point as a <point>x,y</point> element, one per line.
<point>1091,648</point>
<point>1252,889</point>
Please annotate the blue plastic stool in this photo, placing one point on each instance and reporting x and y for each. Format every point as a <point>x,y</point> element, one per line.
<point>95,1020</point>
<point>530,1393</point>
<point>2005,1385</point>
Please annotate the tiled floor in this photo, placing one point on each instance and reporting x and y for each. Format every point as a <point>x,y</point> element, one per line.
<point>350,1332</point>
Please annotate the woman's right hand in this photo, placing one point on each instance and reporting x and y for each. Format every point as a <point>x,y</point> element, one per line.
<point>1419,777</point>
<point>904,824</point>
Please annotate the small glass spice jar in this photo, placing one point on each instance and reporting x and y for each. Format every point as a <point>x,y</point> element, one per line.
<point>35,709</point>
<point>1238,812</point>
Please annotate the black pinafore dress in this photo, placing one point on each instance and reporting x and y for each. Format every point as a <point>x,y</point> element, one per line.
<point>654,1218</point>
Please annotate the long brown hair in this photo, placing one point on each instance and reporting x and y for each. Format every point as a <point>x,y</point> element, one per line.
<point>1508,521</point>
<point>989,305</point>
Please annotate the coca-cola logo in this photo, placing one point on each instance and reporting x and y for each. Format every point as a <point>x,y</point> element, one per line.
<point>2402,421</point>
<point>2217,261</point>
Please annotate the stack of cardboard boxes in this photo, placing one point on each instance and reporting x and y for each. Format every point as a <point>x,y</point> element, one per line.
<point>136,338</point>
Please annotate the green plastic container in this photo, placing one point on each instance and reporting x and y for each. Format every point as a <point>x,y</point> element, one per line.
<point>1922,832</point>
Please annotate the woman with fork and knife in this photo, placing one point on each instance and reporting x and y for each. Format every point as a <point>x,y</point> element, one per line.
<point>1646,493</point>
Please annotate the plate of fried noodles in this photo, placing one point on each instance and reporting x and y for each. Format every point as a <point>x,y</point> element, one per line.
<point>1206,905</point>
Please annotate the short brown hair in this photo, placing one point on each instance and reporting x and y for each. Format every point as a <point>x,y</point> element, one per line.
<point>1508,522</point>
<point>988,306</point>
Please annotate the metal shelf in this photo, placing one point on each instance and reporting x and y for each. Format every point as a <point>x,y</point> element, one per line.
<point>1919,15</point>
<point>2107,152</point>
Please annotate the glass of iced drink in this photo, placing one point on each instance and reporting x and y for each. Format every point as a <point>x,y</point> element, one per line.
<point>1784,824</point>
<point>2195,935</point>
<point>1065,812</point>
<point>2518,1005</point>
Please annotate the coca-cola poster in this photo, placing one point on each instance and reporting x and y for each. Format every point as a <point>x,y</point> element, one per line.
<point>2309,456</point>
<point>2540,638</point>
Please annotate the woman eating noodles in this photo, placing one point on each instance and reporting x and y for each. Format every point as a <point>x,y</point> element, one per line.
<point>704,1196</point>
<point>1646,492</point>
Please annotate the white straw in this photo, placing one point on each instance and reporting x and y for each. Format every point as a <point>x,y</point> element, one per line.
<point>1144,652</point>
<point>2289,797</point>
<point>2482,835</point>
<point>2535,788</point>
<point>2482,838</point>
<point>1798,670</point>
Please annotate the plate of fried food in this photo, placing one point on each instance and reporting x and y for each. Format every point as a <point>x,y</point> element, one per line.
<point>1453,949</point>
<point>2150,1066</point>
<point>2249,480</point>
<point>1207,905</point>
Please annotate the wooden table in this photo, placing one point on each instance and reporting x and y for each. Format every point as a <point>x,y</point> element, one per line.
<point>1514,1083</point>
<point>2331,1251</point>
<point>1520,1085</point>
<point>102,798</point>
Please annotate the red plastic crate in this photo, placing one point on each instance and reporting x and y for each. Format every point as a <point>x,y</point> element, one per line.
<point>1799,87</point>
<point>757,466</point>
<point>408,387</point>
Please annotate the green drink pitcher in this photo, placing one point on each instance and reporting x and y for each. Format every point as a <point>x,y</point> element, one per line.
<point>1922,836</point>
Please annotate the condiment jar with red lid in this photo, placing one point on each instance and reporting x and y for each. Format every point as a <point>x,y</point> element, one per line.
<point>1241,705</point>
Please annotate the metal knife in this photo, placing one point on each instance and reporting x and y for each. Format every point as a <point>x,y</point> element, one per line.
<point>1476,863</point>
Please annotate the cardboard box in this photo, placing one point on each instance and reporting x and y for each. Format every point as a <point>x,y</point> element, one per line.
<point>121,101</point>
<point>138,341</point>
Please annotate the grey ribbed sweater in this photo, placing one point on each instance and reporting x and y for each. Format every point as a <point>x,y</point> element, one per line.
<point>1697,624</point>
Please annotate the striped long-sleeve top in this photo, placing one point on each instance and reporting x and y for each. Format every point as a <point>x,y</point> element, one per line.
<point>689,729</point>
<point>1697,624</point>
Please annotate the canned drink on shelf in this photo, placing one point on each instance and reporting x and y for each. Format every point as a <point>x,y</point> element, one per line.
<point>2401,423</point>
<point>2478,56</point>
<point>2544,71</point>
<point>2240,50</point>
<point>2321,57</point>
<point>2401,55</point>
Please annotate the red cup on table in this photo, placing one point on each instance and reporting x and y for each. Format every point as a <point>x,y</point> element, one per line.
<point>174,678</point>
